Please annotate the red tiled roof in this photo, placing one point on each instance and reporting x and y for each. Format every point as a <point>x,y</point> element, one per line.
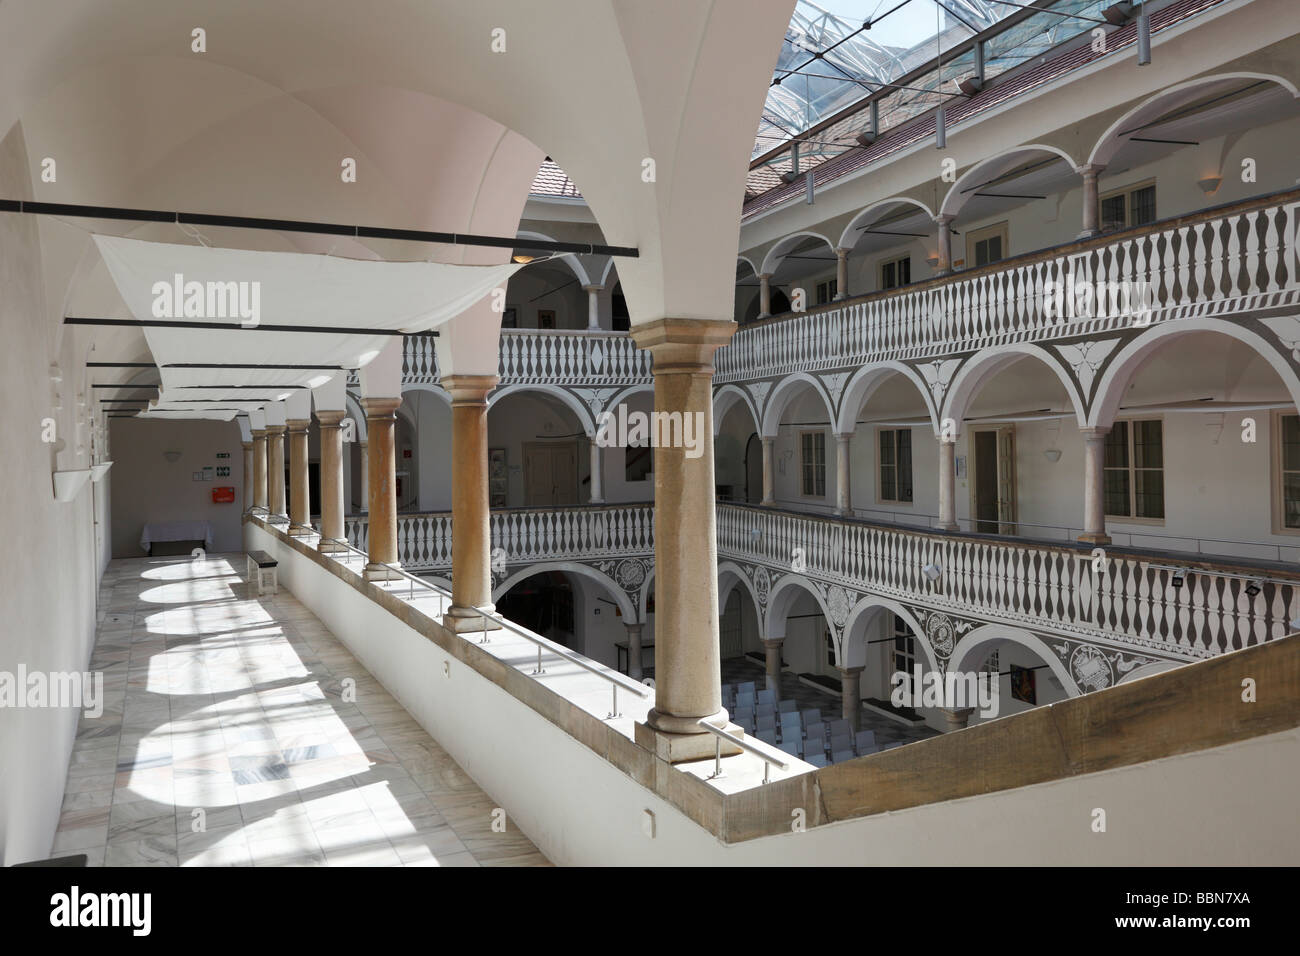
<point>775,192</point>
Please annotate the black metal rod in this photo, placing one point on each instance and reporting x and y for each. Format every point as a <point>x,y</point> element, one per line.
<point>320,228</point>
<point>121,365</point>
<point>309,368</point>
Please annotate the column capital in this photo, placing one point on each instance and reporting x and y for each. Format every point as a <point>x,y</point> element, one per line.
<point>841,252</point>
<point>259,434</point>
<point>330,419</point>
<point>275,429</point>
<point>297,424</point>
<point>593,288</point>
<point>1090,169</point>
<point>469,389</point>
<point>773,641</point>
<point>380,407</point>
<point>944,218</point>
<point>683,345</point>
<point>1094,432</point>
<point>765,276</point>
<point>246,445</point>
<point>851,671</point>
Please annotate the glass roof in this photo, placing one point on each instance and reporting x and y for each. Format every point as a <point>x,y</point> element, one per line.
<point>829,61</point>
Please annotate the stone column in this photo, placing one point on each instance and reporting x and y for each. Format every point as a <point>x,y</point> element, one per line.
<point>471,546</point>
<point>843,488</point>
<point>947,484</point>
<point>299,503</point>
<point>768,469</point>
<point>688,686</point>
<point>772,650</point>
<point>957,717</point>
<point>944,265</point>
<point>765,295</point>
<point>634,650</point>
<point>1091,207</point>
<point>842,273</point>
<point>250,490</point>
<point>1094,485</point>
<point>275,470</point>
<point>851,696</point>
<point>331,479</point>
<point>259,469</point>
<point>593,307</point>
<point>381,427</point>
<point>597,479</point>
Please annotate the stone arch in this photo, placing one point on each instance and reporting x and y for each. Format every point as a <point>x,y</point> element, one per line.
<point>574,404</point>
<point>628,392</point>
<point>733,574</point>
<point>427,387</point>
<point>973,649</point>
<point>747,261</point>
<point>725,399</point>
<point>865,381</point>
<point>575,266</point>
<point>1109,143</point>
<point>620,596</point>
<point>643,597</point>
<point>604,275</point>
<point>847,241</point>
<point>983,365</point>
<point>1119,372</point>
<point>855,628</point>
<point>783,594</point>
<point>780,398</point>
<point>775,255</point>
<point>956,198</point>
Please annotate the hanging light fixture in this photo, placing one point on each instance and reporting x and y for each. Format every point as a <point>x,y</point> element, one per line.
<point>1144,37</point>
<point>940,129</point>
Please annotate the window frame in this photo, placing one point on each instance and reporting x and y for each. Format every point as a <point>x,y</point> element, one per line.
<point>974,236</point>
<point>901,630</point>
<point>880,483</point>
<point>1277,472</point>
<point>895,261</point>
<point>803,464</point>
<point>1127,192</point>
<point>831,286</point>
<point>1132,469</point>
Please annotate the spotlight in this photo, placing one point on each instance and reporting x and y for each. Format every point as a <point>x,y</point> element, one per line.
<point>1210,184</point>
<point>865,138</point>
<point>1179,577</point>
<point>1144,39</point>
<point>1254,587</point>
<point>932,571</point>
<point>970,86</point>
<point>940,129</point>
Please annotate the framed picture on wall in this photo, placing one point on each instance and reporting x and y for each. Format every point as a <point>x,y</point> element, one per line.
<point>546,318</point>
<point>498,477</point>
<point>1023,686</point>
<point>510,318</point>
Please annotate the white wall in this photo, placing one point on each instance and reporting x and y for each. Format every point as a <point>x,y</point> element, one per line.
<point>50,565</point>
<point>149,488</point>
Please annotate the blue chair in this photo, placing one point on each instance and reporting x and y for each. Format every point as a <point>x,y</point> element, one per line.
<point>865,739</point>
<point>788,706</point>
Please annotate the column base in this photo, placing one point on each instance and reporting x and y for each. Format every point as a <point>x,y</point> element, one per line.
<point>329,547</point>
<point>464,620</point>
<point>1088,234</point>
<point>1094,537</point>
<point>768,503</point>
<point>948,527</point>
<point>684,748</point>
<point>381,572</point>
<point>300,531</point>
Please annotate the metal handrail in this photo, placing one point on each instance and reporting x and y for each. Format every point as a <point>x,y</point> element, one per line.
<point>616,680</point>
<point>762,750</point>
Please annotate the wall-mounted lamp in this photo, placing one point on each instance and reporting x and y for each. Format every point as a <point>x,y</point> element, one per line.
<point>1210,184</point>
<point>1253,587</point>
<point>932,571</point>
<point>1178,578</point>
<point>932,261</point>
<point>172,455</point>
<point>522,260</point>
<point>1052,454</point>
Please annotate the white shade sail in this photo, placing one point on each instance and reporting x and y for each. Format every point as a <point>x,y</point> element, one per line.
<point>244,291</point>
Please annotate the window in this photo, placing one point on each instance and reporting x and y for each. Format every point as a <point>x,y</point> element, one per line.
<point>896,465</point>
<point>827,290</point>
<point>812,447</point>
<point>1134,484</point>
<point>904,647</point>
<point>895,273</point>
<point>986,245</point>
<point>1128,207</point>
<point>1288,459</point>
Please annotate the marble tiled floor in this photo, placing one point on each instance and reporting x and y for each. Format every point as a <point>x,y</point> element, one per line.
<point>248,716</point>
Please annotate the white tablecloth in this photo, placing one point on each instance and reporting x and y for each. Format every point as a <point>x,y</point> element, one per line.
<point>177,531</point>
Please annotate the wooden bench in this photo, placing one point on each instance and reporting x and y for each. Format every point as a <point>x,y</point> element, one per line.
<point>261,563</point>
